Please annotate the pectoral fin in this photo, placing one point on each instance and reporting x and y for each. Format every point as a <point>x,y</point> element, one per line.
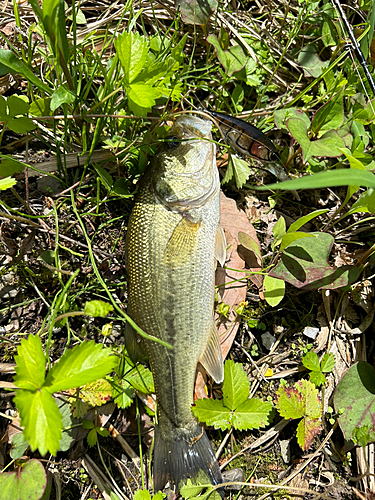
<point>220,245</point>
<point>212,358</point>
<point>183,241</point>
<point>134,346</point>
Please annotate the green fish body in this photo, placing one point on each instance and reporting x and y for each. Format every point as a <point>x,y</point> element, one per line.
<point>173,242</point>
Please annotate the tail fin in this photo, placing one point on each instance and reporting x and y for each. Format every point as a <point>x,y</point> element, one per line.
<point>180,454</point>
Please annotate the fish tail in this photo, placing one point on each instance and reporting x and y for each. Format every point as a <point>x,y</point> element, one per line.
<point>184,453</point>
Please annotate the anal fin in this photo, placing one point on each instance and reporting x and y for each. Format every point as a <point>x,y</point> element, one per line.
<point>212,358</point>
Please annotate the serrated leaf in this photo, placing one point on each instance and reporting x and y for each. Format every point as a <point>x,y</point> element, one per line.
<point>21,125</point>
<point>41,420</point>
<point>311,361</point>
<point>273,290</point>
<point>188,490</point>
<point>142,495</point>
<point>123,393</point>
<point>252,414</point>
<point>97,308</point>
<point>92,437</point>
<point>282,115</point>
<point>79,366</point>
<point>97,393</point>
<point>31,364</point>
<point>67,437</point>
<point>142,94</point>
<point>141,379</point>
<point>236,385</point>
<point>132,51</point>
<point>26,483</point>
<point>212,412</point>
<point>307,429</point>
<point>328,362</point>
<point>313,407</point>
<point>289,402</point>
<point>238,170</point>
<point>317,378</point>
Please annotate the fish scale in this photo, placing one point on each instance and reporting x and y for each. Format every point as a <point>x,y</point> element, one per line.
<point>173,241</point>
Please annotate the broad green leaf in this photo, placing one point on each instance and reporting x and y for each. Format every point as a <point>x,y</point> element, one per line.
<point>289,402</point>
<point>311,361</point>
<point>81,365</point>
<point>317,378</point>
<point>41,420</point>
<point>188,490</point>
<point>304,220</point>
<point>212,412</point>
<point>68,436</point>
<point>19,446</point>
<point>96,393</point>
<point>9,63</point>
<point>310,61</point>
<point>21,125</point>
<point>236,385</point>
<point>289,237</point>
<point>196,11</point>
<point>233,59</point>
<point>305,264</point>
<point>105,177</point>
<point>273,290</point>
<point>9,167</point>
<point>329,178</point>
<point>279,230</point>
<point>313,407</point>
<point>97,308</point>
<point>251,414</point>
<point>328,362</point>
<point>26,483</point>
<point>140,378</point>
<point>92,437</point>
<point>61,96</point>
<point>142,95</point>
<point>364,435</point>
<point>329,33</point>
<point>132,51</point>
<point>17,105</point>
<point>6,183</point>
<point>248,242</point>
<point>282,115</point>
<point>330,115</point>
<point>238,169</point>
<point>307,429</point>
<point>355,394</point>
<point>31,364</point>
<point>40,107</point>
<point>365,203</point>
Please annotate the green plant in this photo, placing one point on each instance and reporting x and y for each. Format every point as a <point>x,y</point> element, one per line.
<point>27,482</point>
<point>311,361</point>
<point>235,409</point>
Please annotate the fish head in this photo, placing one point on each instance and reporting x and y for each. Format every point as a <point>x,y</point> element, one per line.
<point>184,170</point>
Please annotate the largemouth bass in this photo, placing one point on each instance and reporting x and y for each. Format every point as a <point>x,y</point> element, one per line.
<point>173,242</point>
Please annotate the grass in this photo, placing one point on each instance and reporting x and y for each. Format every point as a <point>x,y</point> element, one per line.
<point>89,116</point>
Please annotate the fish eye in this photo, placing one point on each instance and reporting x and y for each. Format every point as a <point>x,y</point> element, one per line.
<point>173,141</point>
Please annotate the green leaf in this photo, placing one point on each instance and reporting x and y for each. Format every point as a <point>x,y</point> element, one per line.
<point>304,220</point>
<point>305,264</point>
<point>364,435</point>
<point>9,63</point>
<point>132,51</point>
<point>188,490</point>
<point>61,96</point>
<point>97,393</point>
<point>233,59</point>
<point>41,420</point>
<point>356,394</point>
<point>236,385</point>
<point>10,167</point>
<point>68,435</point>
<point>17,105</point>
<point>307,429</point>
<point>7,183</point>
<point>141,379</point>
<point>142,495</point>
<point>40,107</point>
<point>329,178</point>
<point>237,168</point>
<point>248,242</point>
<point>311,361</point>
<point>273,290</point>
<point>311,62</point>
<point>196,11</point>
<point>87,424</point>
<point>97,308</point>
<point>289,402</point>
<point>365,203</point>
<point>328,362</point>
<point>251,414</point>
<point>279,230</point>
<point>282,115</point>
<point>142,94</point>
<point>317,378</point>
<point>79,366</point>
<point>31,364</point>
<point>92,437</point>
<point>123,393</point>
<point>21,125</point>
<point>289,237</point>
<point>19,446</point>
<point>330,115</point>
<point>26,483</point>
<point>212,412</point>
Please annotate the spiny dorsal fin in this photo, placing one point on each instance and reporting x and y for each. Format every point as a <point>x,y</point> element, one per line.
<point>212,358</point>
<point>220,245</point>
<point>183,241</point>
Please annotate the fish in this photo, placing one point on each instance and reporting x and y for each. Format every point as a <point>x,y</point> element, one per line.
<point>173,242</point>
<point>250,141</point>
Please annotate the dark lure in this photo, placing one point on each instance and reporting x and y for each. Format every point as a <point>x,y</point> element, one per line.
<point>246,139</point>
